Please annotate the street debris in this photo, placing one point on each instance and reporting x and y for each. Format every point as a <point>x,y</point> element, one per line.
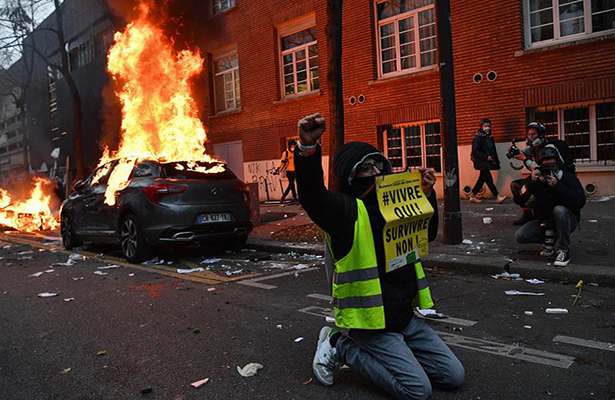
<point>21,253</point>
<point>76,257</point>
<point>78,278</point>
<point>200,383</point>
<point>308,381</point>
<point>527,326</point>
<point>279,326</point>
<point>489,209</point>
<point>211,261</point>
<point>593,220</point>
<point>26,258</point>
<point>211,289</point>
<point>466,241</point>
<point>69,299</point>
<point>101,353</point>
<point>530,313</point>
<point>534,281</point>
<point>6,247</point>
<point>298,339</point>
<point>109,267</point>
<point>66,371</point>
<point>100,273</point>
<point>47,294</point>
<point>189,271</point>
<point>594,284</point>
<point>196,330</point>
<point>487,220</point>
<point>329,319</point>
<point>431,313</point>
<point>457,329</point>
<point>518,293</point>
<point>249,369</point>
<point>507,276</point>
<point>229,273</point>
<point>301,266</point>
<point>47,271</point>
<point>556,311</point>
<point>131,274</point>
<point>579,286</point>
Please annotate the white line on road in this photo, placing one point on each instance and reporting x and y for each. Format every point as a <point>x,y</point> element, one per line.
<point>586,343</point>
<point>254,282</point>
<point>508,350</point>
<point>320,296</point>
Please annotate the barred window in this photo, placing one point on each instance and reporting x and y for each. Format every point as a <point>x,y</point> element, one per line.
<point>413,146</point>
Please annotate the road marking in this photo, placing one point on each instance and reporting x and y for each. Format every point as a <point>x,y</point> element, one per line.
<point>508,350</point>
<point>449,320</point>
<point>318,311</point>
<point>320,296</point>
<point>586,343</point>
<point>255,282</point>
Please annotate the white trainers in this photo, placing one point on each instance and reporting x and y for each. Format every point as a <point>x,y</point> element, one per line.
<point>562,259</point>
<point>325,359</point>
<point>500,199</point>
<point>474,199</point>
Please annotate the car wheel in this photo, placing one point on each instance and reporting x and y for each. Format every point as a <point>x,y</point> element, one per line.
<point>134,248</point>
<point>69,237</point>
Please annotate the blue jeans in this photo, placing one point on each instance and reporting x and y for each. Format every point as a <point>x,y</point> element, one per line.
<point>404,363</point>
<point>565,223</point>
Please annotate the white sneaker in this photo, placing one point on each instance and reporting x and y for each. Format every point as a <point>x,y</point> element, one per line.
<point>474,199</point>
<point>500,199</point>
<point>325,359</point>
<point>562,259</point>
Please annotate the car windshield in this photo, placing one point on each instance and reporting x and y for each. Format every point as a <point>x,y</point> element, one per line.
<point>197,170</point>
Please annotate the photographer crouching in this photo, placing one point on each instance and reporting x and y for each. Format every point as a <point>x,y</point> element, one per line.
<point>559,197</point>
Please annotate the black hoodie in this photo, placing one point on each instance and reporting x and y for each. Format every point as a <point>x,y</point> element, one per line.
<point>336,213</point>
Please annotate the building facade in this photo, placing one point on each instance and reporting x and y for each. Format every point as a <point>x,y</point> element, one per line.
<point>515,61</point>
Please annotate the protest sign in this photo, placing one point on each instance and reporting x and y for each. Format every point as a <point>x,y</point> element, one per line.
<point>407,212</point>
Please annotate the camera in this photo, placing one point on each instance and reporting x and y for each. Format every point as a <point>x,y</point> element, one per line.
<point>514,150</point>
<point>545,171</point>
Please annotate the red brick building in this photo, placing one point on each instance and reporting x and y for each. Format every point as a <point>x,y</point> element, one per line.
<point>515,61</point>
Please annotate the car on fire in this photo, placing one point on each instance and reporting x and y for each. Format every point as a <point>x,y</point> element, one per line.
<point>165,203</point>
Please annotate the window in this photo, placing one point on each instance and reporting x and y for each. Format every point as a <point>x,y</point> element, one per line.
<point>80,55</point>
<point>226,82</point>
<point>413,145</point>
<point>406,35</point>
<point>589,130</point>
<point>222,5</point>
<point>551,20</point>
<point>299,60</point>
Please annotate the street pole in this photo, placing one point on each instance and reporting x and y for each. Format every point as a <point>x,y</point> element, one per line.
<point>452,208</point>
<point>334,82</point>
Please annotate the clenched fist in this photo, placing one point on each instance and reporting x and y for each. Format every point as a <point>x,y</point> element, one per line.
<point>311,129</point>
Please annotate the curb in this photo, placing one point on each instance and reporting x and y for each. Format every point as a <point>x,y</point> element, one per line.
<point>600,274</point>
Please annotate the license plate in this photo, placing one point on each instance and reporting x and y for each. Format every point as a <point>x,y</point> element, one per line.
<point>209,218</point>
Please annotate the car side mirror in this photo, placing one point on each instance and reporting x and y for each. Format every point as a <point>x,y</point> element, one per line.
<point>78,186</point>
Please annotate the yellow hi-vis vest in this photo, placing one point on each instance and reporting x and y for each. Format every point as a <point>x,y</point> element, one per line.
<point>356,291</point>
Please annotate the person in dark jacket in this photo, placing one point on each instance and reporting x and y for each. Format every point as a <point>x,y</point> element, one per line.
<point>485,158</point>
<point>559,198</point>
<point>407,356</point>
<point>536,139</point>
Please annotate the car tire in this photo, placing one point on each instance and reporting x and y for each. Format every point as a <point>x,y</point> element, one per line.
<point>70,240</point>
<point>134,247</point>
<point>236,243</point>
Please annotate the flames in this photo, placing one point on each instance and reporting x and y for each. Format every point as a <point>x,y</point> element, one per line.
<point>31,214</point>
<point>159,116</point>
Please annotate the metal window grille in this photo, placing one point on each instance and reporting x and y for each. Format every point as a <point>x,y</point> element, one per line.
<point>414,145</point>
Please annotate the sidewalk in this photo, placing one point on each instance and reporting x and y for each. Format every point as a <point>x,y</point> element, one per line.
<point>493,248</point>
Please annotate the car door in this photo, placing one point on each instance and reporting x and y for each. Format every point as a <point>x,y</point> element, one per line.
<point>94,209</point>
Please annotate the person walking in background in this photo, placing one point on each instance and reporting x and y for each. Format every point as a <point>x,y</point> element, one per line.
<point>485,158</point>
<point>287,163</point>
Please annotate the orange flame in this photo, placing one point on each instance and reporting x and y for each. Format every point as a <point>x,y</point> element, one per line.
<point>28,215</point>
<point>159,116</point>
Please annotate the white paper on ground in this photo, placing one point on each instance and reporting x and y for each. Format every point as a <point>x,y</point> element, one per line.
<point>518,293</point>
<point>466,241</point>
<point>109,267</point>
<point>249,369</point>
<point>47,294</point>
<point>100,273</point>
<point>487,220</point>
<point>21,253</point>
<point>301,266</point>
<point>298,339</point>
<point>76,257</point>
<point>329,319</point>
<point>47,271</point>
<point>200,383</point>
<point>431,313</point>
<point>534,281</point>
<point>211,261</point>
<point>556,311</point>
<point>188,271</point>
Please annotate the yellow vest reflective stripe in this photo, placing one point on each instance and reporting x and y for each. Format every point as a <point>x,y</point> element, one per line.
<point>356,291</point>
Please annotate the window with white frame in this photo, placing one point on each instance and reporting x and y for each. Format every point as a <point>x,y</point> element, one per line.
<point>589,130</point>
<point>222,5</point>
<point>413,145</point>
<point>406,35</point>
<point>552,20</point>
<point>299,58</point>
<point>226,82</point>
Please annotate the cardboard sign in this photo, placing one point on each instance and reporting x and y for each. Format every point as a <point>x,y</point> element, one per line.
<point>407,212</point>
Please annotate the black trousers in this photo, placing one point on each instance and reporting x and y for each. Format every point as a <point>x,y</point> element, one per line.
<point>485,177</point>
<point>291,185</point>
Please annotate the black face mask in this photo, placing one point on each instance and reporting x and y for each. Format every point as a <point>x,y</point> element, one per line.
<point>361,185</point>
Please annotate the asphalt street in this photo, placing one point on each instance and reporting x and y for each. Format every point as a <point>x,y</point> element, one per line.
<point>112,333</point>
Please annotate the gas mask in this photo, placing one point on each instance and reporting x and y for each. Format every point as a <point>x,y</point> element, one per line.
<point>536,143</point>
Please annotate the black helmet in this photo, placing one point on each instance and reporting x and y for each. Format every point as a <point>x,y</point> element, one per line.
<point>540,128</point>
<point>547,152</point>
<point>484,121</point>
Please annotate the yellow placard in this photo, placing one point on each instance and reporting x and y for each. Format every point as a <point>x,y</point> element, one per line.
<point>407,212</point>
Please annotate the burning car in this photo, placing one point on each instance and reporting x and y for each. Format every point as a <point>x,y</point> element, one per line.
<point>163,203</point>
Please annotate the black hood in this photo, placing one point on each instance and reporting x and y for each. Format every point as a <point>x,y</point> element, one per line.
<point>349,156</point>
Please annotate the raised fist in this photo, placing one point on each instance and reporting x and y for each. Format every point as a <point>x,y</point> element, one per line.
<point>311,129</point>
